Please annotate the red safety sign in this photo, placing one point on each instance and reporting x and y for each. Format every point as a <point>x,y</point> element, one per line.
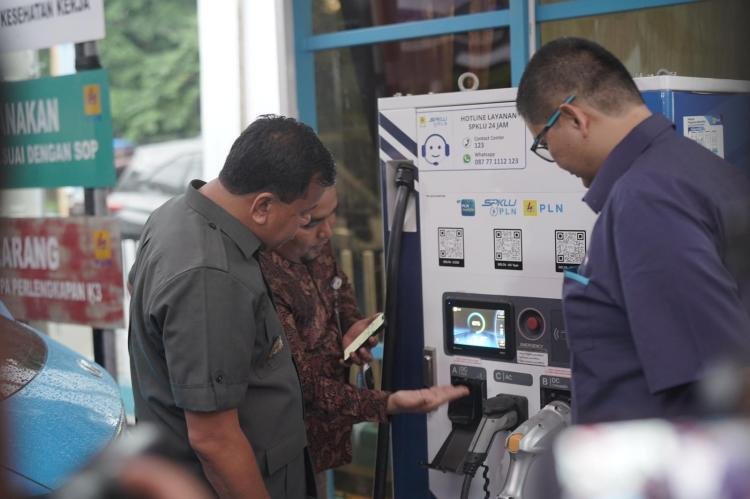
<point>62,270</point>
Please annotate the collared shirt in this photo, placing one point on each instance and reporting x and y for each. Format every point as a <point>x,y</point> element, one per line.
<point>654,302</point>
<point>204,337</point>
<point>307,304</point>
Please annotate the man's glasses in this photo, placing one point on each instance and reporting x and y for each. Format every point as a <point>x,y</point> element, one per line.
<point>539,147</point>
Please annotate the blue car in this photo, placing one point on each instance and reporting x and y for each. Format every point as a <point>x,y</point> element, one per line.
<point>60,410</point>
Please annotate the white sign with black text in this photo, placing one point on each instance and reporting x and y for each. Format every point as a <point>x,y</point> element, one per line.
<point>486,137</point>
<point>29,24</point>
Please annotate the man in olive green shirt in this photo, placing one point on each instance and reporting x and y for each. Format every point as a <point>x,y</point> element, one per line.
<point>210,363</point>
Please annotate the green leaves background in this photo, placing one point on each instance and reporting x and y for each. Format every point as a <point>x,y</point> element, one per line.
<point>151,53</point>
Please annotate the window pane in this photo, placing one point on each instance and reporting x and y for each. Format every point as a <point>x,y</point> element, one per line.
<point>350,80</point>
<point>706,39</point>
<point>338,15</point>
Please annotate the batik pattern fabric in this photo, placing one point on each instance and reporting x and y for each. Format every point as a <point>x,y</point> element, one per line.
<point>307,297</point>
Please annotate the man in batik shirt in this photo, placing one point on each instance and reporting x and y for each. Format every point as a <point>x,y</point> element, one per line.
<point>319,314</point>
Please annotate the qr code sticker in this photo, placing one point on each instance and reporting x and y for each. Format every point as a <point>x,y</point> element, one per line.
<point>451,246</point>
<point>508,249</point>
<point>570,248</point>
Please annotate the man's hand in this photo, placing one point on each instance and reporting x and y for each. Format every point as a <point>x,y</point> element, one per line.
<point>362,354</point>
<point>424,400</point>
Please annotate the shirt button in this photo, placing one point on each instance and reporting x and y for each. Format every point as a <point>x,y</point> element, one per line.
<point>212,225</point>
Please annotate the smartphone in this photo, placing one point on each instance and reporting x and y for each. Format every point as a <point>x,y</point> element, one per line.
<point>360,340</point>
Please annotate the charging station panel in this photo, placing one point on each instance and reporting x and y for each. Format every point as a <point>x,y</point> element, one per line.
<point>495,226</point>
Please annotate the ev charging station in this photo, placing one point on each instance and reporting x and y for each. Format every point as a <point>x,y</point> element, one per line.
<point>487,235</point>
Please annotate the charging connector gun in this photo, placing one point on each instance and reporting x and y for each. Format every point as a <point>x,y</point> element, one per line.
<point>499,413</point>
<point>529,441</point>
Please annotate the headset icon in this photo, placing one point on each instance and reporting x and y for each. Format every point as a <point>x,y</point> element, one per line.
<point>446,148</point>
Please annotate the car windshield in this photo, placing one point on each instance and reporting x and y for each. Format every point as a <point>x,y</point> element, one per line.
<point>22,356</point>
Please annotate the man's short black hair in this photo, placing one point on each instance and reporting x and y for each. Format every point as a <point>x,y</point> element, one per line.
<point>279,155</point>
<point>574,66</point>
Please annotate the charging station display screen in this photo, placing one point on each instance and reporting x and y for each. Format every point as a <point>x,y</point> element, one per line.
<point>478,328</point>
<point>481,329</point>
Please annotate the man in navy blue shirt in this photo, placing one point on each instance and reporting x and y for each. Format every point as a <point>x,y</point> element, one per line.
<point>654,302</point>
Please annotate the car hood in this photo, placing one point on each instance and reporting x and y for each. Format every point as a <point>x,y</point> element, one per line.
<point>65,416</point>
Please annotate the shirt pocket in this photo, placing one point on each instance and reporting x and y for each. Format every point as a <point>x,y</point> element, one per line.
<point>576,302</point>
<point>272,349</point>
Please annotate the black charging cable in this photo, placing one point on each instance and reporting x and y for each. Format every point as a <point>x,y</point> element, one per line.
<point>406,172</point>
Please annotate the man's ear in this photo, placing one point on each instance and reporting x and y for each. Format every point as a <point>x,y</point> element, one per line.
<point>580,120</point>
<point>260,207</point>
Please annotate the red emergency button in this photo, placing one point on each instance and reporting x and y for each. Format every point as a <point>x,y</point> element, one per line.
<point>532,324</point>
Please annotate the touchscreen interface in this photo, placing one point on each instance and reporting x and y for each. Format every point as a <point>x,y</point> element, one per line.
<point>477,327</point>
<point>480,326</point>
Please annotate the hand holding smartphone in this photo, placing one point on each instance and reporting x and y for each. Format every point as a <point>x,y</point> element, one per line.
<point>360,340</point>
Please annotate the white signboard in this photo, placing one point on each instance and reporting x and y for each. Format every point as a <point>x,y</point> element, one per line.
<point>708,131</point>
<point>486,137</point>
<point>29,24</point>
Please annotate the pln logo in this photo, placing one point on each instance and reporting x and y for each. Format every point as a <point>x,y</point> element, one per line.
<point>530,208</point>
<point>103,247</point>
<point>468,207</point>
<point>92,99</point>
<point>533,208</point>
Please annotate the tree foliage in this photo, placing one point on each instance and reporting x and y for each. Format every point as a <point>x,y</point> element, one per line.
<point>151,53</point>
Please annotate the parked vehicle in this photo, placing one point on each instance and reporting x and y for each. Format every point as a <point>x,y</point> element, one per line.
<point>60,410</point>
<point>156,173</point>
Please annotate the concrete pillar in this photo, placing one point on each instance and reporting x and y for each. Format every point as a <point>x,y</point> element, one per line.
<point>247,69</point>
